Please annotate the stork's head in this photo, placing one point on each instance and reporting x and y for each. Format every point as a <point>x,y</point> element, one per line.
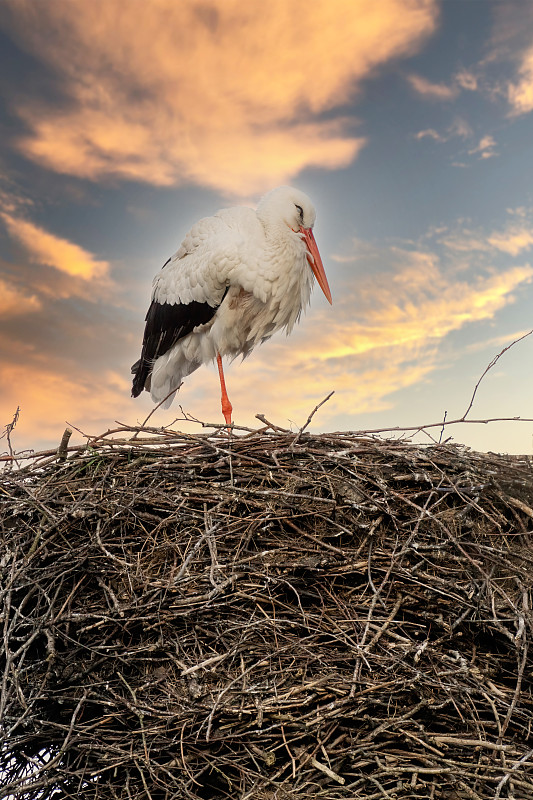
<point>293,208</point>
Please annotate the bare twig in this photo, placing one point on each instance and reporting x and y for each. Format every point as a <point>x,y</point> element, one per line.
<point>310,417</point>
<point>489,367</point>
<point>8,430</point>
<point>154,409</point>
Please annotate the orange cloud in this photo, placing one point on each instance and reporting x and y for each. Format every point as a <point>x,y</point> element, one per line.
<point>14,302</point>
<point>231,94</point>
<point>45,248</point>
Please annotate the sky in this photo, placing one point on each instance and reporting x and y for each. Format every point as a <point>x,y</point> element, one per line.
<point>408,122</point>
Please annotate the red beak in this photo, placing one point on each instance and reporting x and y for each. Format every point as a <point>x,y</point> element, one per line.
<point>315,262</point>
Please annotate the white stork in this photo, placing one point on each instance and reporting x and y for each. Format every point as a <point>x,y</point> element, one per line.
<point>238,277</point>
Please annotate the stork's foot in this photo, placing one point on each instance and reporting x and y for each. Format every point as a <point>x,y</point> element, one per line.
<point>227,408</point>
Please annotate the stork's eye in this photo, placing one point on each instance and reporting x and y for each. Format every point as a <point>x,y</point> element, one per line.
<point>300,212</point>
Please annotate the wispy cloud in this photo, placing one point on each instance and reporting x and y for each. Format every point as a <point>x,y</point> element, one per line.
<point>431,133</point>
<point>514,240</point>
<point>458,128</point>
<point>497,341</point>
<point>15,301</point>
<point>233,95</point>
<point>431,90</point>
<point>510,43</point>
<point>520,91</point>
<point>49,398</point>
<point>485,147</point>
<point>44,248</point>
<point>467,80</point>
<point>515,237</point>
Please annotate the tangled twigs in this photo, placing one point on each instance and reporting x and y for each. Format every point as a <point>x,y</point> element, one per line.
<point>8,430</point>
<point>275,617</point>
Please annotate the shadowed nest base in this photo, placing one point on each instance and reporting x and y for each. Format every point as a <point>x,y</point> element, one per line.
<point>267,616</point>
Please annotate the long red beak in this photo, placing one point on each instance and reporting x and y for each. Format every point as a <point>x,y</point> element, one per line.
<point>315,262</point>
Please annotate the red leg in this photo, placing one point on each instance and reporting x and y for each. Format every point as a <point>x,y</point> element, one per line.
<point>226,405</point>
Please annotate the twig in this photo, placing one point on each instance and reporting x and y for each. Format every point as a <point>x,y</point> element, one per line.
<point>310,417</point>
<point>506,777</point>
<point>154,409</point>
<point>8,430</point>
<point>489,367</point>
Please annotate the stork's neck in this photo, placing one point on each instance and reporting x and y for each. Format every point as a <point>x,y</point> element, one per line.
<point>284,247</point>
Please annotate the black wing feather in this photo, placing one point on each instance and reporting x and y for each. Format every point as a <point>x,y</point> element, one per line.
<point>166,324</point>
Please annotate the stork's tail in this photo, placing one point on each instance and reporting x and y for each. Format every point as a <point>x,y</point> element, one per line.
<point>142,378</point>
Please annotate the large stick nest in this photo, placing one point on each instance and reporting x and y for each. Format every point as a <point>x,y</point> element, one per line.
<point>267,616</point>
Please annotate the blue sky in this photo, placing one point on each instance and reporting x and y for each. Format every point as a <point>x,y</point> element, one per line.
<point>408,122</point>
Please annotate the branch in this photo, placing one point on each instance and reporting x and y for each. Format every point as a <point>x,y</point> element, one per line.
<point>489,367</point>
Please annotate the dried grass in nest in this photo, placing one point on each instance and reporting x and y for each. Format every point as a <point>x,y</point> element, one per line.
<point>267,616</point>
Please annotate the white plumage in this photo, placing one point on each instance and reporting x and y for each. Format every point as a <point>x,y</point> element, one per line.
<point>237,278</point>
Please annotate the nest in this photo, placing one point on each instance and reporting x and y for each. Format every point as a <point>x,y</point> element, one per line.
<point>267,616</point>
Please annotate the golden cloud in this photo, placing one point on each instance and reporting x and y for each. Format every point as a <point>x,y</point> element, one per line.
<point>514,240</point>
<point>222,93</point>
<point>400,312</point>
<point>45,248</point>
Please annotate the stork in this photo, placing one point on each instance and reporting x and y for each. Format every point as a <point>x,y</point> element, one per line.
<point>238,277</point>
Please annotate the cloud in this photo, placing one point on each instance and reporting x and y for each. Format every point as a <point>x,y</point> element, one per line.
<point>511,42</point>
<point>15,302</point>
<point>520,92</point>
<point>459,128</point>
<point>495,342</point>
<point>485,147</point>
<point>513,241</point>
<point>232,95</point>
<point>45,248</point>
<point>467,80</point>
<point>514,238</point>
<point>49,398</point>
<point>431,133</point>
<point>55,267</point>
<point>430,90</point>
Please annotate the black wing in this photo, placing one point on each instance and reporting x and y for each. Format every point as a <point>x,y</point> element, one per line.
<point>166,324</point>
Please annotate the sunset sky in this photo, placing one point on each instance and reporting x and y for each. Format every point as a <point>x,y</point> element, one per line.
<point>408,122</point>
